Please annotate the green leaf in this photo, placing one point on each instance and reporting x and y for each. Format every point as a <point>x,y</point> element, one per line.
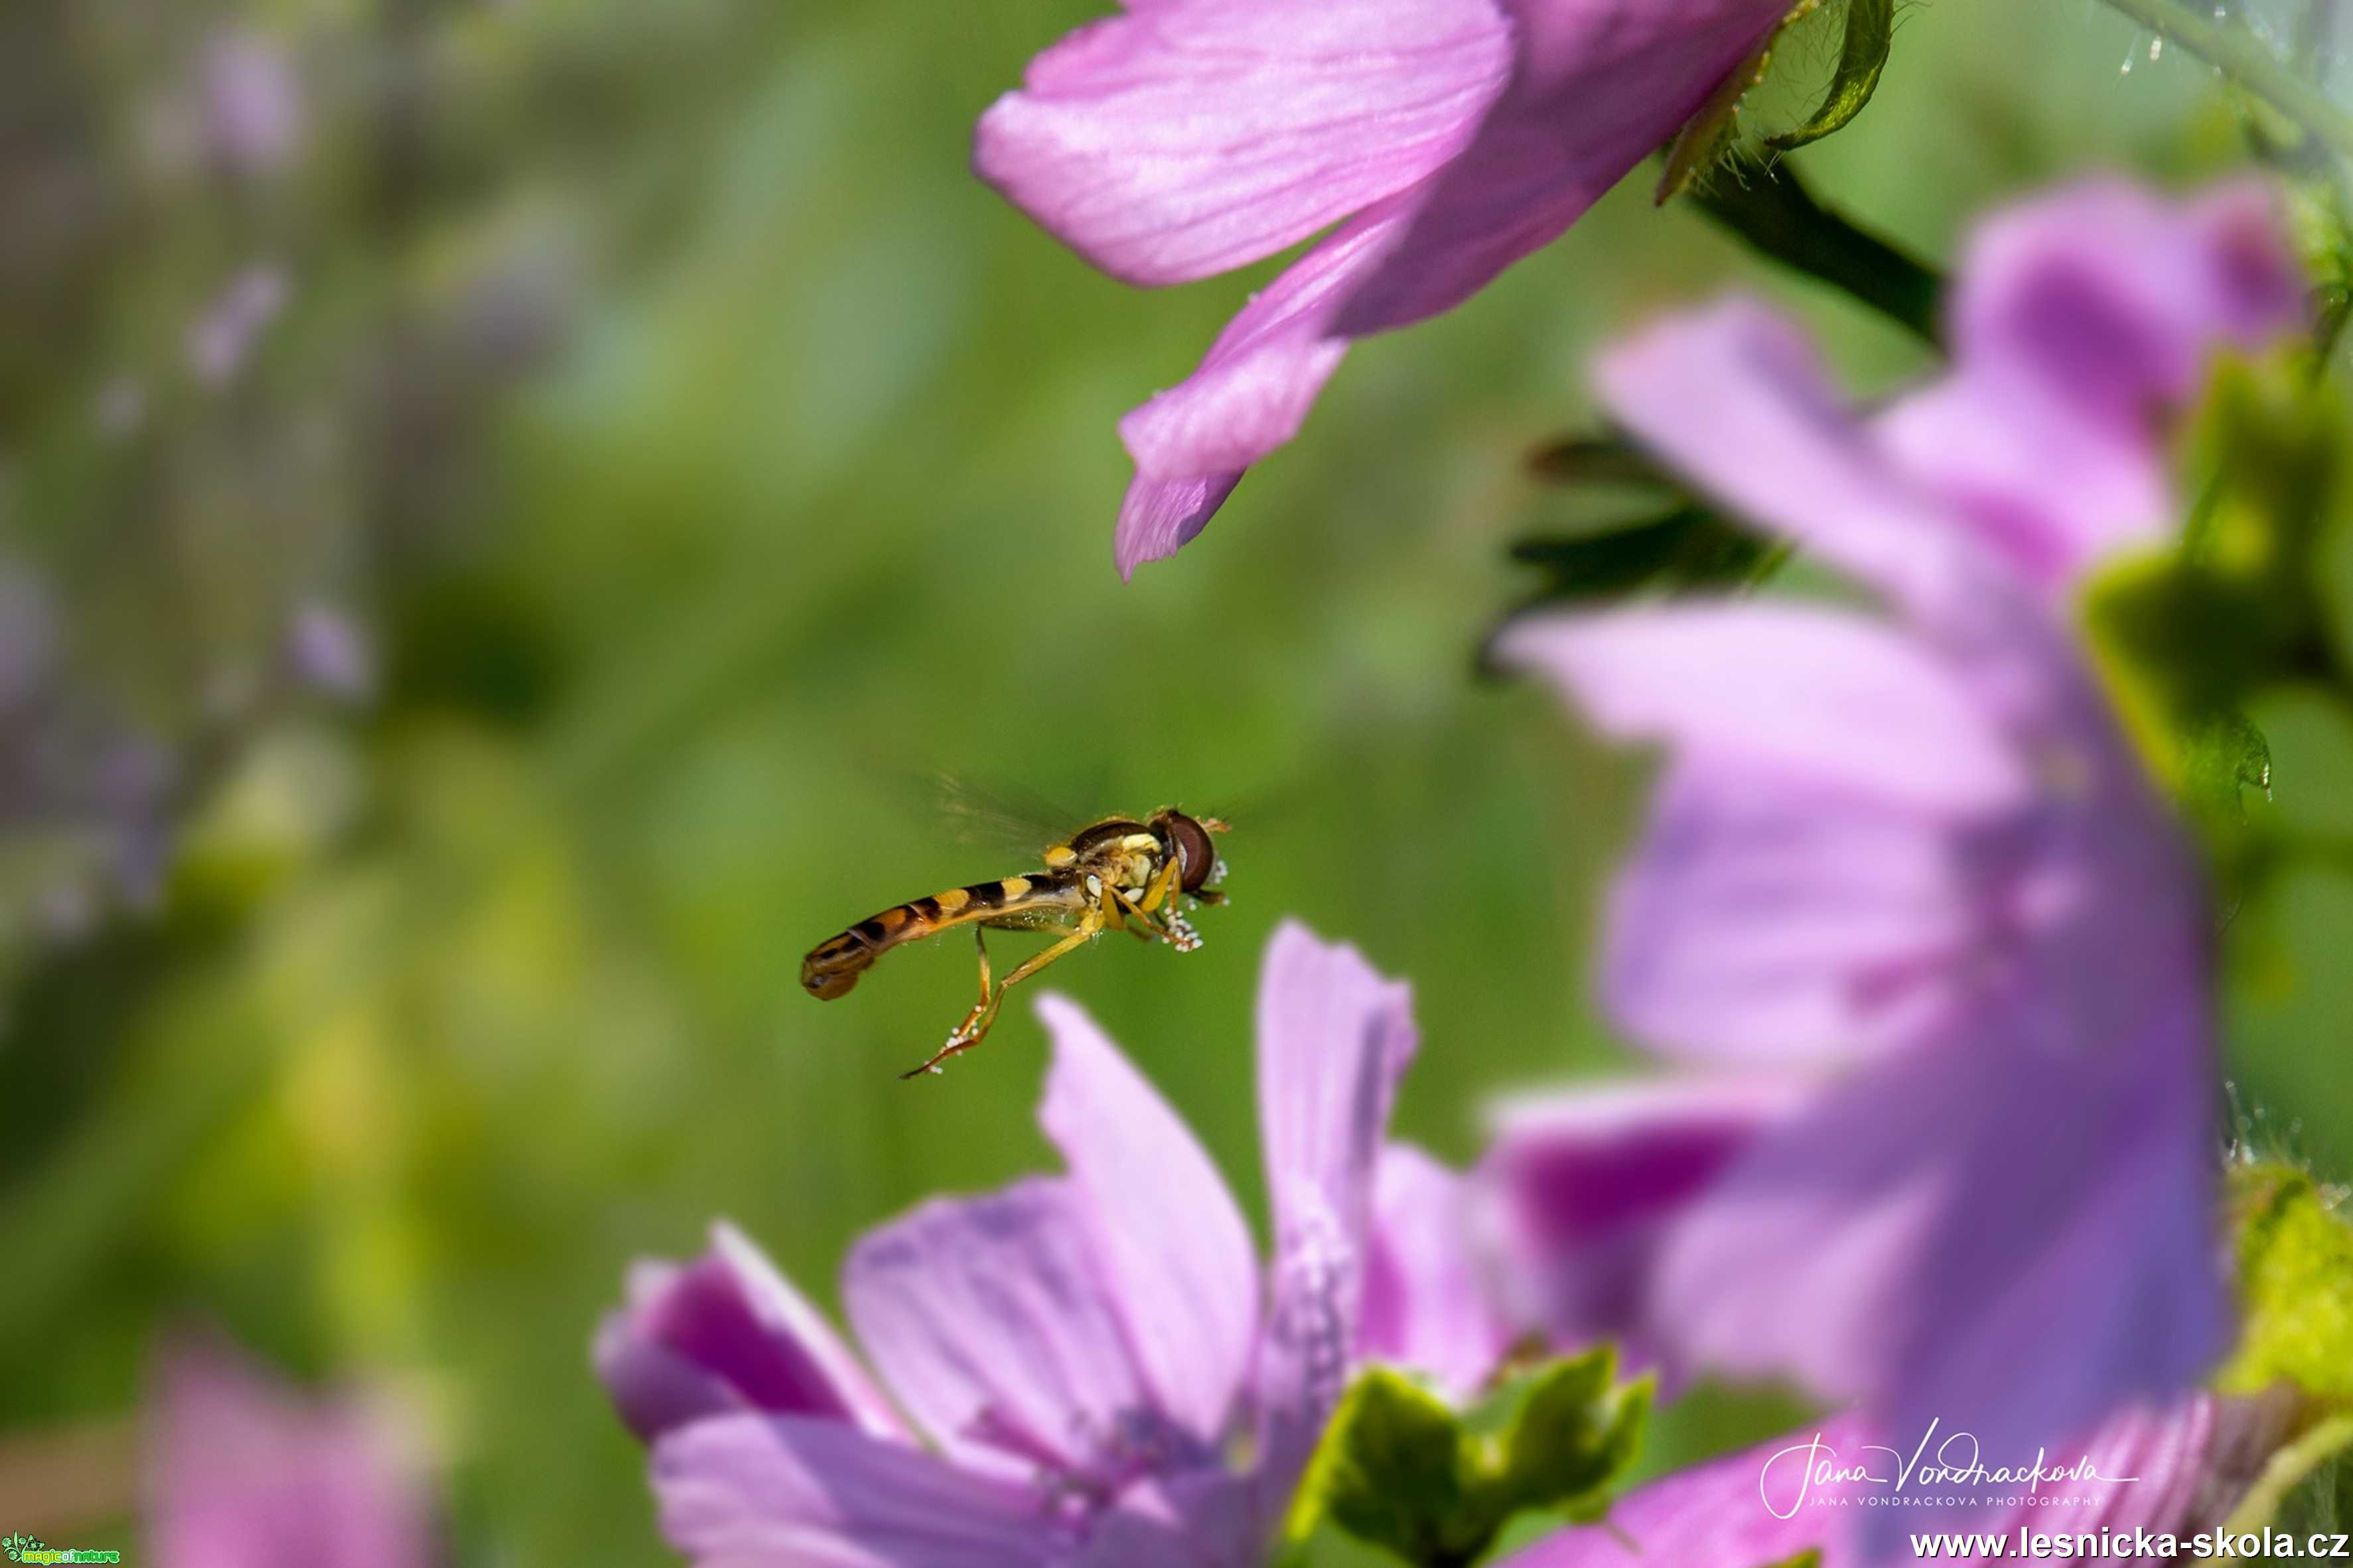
<point>1862,55</point>
<point>2188,638</point>
<point>2296,1284</point>
<point>2322,232</point>
<point>1400,1470</point>
<point>1686,549</point>
<point>1770,207</point>
<point>1568,1440</point>
<point>1387,1470</point>
<point>1596,460</point>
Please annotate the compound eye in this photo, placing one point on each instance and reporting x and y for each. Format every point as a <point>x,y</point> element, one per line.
<point>1197,858</point>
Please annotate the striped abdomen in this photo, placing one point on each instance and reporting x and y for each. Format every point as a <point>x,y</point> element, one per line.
<point>833,967</point>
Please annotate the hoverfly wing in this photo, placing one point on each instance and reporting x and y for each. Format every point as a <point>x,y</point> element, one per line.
<point>1002,817</point>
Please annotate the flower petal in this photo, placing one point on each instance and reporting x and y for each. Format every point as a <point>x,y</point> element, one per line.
<point>1189,137</point>
<point>246,1473</point>
<point>752,1491</point>
<point>1178,1251</point>
<point>1334,1038</point>
<point>1160,517</point>
<point>1808,695</point>
<point>723,1333</point>
<point>2082,320</point>
<point>1599,85</point>
<point>1259,377</point>
<point>1211,1518</point>
<point>2007,1231</point>
<point>1734,397</point>
<point>1587,1185</point>
<point>1428,1302</point>
<point>993,1320</point>
<point>1248,396</point>
<point>1760,921</point>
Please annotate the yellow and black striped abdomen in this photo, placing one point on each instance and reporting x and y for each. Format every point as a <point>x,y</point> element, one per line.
<point>833,967</point>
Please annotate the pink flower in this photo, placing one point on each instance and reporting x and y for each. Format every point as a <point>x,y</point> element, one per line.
<point>1445,137</point>
<point>1580,1193</point>
<point>1081,1352</point>
<point>1914,860</point>
<point>252,103</point>
<point>248,1475</point>
<point>222,339</point>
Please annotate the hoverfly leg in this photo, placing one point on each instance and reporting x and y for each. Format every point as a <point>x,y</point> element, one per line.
<point>1161,886</point>
<point>1169,924</point>
<point>975,1025</point>
<point>980,941</point>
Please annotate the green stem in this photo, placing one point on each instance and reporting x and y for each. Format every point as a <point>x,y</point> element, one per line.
<point>2245,60</point>
<point>2286,1470</point>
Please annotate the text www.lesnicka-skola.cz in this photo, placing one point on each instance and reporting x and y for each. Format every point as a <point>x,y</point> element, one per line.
<point>2035,1545</point>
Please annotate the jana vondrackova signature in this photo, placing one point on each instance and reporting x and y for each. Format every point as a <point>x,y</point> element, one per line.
<point>1793,1474</point>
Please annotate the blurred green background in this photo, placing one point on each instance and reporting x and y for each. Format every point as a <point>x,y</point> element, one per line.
<point>692,455</point>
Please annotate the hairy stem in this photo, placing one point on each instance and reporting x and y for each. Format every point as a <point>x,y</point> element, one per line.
<point>2246,61</point>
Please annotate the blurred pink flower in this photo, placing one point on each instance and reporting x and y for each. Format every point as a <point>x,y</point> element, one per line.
<point>1446,138</point>
<point>252,105</point>
<point>1081,1350</point>
<point>1580,1191</point>
<point>1916,860</point>
<point>250,1475</point>
<point>2187,1467</point>
<point>220,341</point>
<point>330,651</point>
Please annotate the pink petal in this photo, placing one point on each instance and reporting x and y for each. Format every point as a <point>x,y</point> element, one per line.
<point>1428,1304</point>
<point>1189,137</point>
<point>1734,397</point>
<point>993,1320</point>
<point>1211,1518</point>
<point>1160,517</point>
<point>1179,1252</point>
<point>2194,1461</point>
<point>2007,1231</point>
<point>2083,323</point>
<point>2114,299</point>
<point>1760,921</point>
<point>1814,696</point>
<point>248,1475</point>
<point>728,1332</point>
<point>1334,1038</point>
<point>1248,396</point>
<point>752,1491</point>
<point>1599,86</point>
<point>1589,1184</point>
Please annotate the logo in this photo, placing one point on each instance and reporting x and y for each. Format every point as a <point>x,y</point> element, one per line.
<point>1951,1472</point>
<point>33,1549</point>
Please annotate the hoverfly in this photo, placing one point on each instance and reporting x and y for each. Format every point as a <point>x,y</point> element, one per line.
<point>1117,874</point>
